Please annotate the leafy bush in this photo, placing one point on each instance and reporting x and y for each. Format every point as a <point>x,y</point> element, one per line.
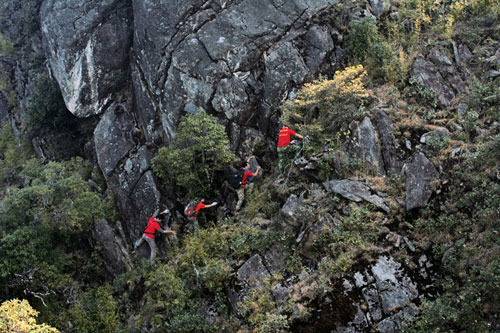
<point>261,311</point>
<point>19,316</point>
<point>59,198</point>
<point>41,228</point>
<point>464,9</point>
<point>365,45</point>
<point>198,151</point>
<point>95,311</point>
<point>325,107</point>
<point>347,239</point>
<point>472,307</point>
<point>175,303</point>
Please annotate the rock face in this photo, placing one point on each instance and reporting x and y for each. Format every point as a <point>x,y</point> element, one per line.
<point>437,133</point>
<point>356,191</point>
<point>236,59</point>
<point>126,168</point>
<point>389,143</point>
<point>380,7</point>
<point>293,212</point>
<point>439,74</point>
<point>388,293</point>
<point>87,45</point>
<point>420,174</point>
<point>365,146</point>
<point>253,272</point>
<point>381,295</point>
<point>112,248</point>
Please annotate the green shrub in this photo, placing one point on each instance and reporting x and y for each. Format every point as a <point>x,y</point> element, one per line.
<point>173,303</point>
<point>261,312</point>
<point>95,311</point>
<point>365,45</point>
<point>471,307</point>
<point>64,202</point>
<point>436,144</point>
<point>421,93</point>
<point>199,150</point>
<point>348,238</point>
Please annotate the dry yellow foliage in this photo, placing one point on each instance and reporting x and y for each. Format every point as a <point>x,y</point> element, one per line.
<point>348,82</point>
<point>19,317</point>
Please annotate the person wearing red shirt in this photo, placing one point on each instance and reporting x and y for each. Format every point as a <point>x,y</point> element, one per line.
<point>149,235</point>
<point>192,213</point>
<point>247,177</point>
<point>284,147</point>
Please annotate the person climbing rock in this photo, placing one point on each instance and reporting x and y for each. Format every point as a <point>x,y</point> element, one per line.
<point>246,177</point>
<point>284,146</point>
<point>192,210</point>
<point>149,234</point>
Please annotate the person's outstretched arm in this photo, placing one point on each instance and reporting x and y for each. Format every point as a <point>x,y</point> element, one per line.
<point>211,205</point>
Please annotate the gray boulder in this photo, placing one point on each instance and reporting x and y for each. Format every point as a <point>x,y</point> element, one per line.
<point>275,260</point>
<point>87,45</point>
<point>420,174</point>
<point>113,137</point>
<point>438,73</point>
<point>355,191</point>
<point>280,294</point>
<point>358,324</point>
<point>319,44</point>
<point>252,273</point>
<point>112,249</point>
<point>372,298</point>
<point>394,323</point>
<point>389,144</point>
<point>294,212</point>
<point>395,288</point>
<point>313,233</point>
<point>365,145</point>
<point>231,99</point>
<point>437,133</point>
<point>380,7</point>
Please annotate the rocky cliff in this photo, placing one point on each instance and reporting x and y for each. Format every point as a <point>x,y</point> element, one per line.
<point>142,65</point>
<point>133,68</point>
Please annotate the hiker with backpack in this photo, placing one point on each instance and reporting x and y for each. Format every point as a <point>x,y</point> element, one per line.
<point>191,211</point>
<point>149,234</point>
<point>285,148</point>
<point>239,180</point>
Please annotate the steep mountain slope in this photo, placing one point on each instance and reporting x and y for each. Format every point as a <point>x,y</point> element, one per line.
<point>389,212</point>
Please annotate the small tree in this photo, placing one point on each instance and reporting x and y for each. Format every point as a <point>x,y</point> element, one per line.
<point>18,316</point>
<point>198,151</point>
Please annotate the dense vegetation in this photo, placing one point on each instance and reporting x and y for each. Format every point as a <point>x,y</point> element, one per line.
<point>48,210</point>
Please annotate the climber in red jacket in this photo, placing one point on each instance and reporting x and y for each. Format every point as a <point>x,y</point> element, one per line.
<point>149,235</point>
<point>284,147</point>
